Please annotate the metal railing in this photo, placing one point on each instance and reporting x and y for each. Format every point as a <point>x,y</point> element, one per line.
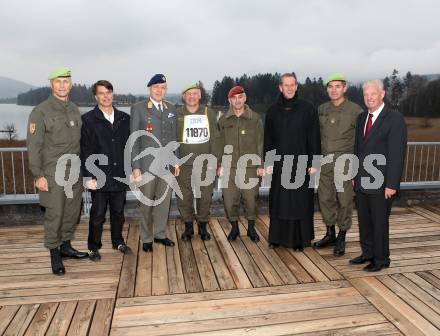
<point>421,171</point>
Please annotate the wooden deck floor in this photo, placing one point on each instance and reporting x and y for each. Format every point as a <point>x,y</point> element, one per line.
<point>222,288</point>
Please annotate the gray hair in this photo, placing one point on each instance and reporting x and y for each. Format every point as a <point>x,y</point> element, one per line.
<point>376,82</point>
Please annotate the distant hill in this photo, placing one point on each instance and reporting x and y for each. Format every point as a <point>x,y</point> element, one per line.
<point>10,88</point>
<point>431,77</point>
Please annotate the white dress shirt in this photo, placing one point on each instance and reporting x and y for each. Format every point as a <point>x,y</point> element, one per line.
<point>375,115</point>
<point>157,104</point>
<point>110,117</point>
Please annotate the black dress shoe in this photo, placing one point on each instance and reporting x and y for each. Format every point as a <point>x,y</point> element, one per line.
<point>375,267</point>
<point>122,247</point>
<point>359,260</point>
<point>273,245</point>
<point>56,262</point>
<point>147,247</point>
<point>94,255</point>
<point>67,251</point>
<point>164,241</point>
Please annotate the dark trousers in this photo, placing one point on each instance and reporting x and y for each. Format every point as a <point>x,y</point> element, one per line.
<point>373,216</point>
<point>100,201</point>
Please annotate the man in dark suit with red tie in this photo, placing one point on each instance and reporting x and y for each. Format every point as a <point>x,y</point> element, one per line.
<point>380,145</point>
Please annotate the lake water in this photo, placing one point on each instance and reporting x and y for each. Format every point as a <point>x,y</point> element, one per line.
<point>18,115</point>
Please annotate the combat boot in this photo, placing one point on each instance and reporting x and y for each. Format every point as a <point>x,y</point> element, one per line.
<point>339,249</point>
<point>252,234</point>
<point>56,262</point>
<point>189,231</point>
<point>204,234</point>
<point>68,251</point>
<point>329,238</point>
<point>234,231</point>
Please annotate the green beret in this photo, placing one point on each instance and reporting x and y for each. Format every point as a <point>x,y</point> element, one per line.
<point>335,77</point>
<point>60,72</point>
<point>194,85</point>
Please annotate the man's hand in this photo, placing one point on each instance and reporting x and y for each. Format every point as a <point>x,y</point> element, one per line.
<point>220,171</point>
<point>136,175</point>
<point>91,184</point>
<point>260,172</point>
<point>41,184</point>
<point>312,171</point>
<point>176,170</point>
<point>389,193</point>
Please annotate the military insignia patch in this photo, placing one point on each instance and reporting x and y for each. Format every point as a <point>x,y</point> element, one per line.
<point>150,104</point>
<point>32,128</point>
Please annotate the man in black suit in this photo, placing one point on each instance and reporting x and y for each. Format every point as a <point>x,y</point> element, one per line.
<point>380,145</point>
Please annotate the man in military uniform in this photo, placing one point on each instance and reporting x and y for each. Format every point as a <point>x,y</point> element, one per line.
<point>197,131</point>
<point>242,129</point>
<point>157,117</point>
<point>337,119</point>
<point>54,129</point>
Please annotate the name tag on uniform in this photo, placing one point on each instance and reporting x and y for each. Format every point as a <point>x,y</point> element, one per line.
<point>195,129</point>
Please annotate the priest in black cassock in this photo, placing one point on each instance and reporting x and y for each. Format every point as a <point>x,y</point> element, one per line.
<point>292,129</point>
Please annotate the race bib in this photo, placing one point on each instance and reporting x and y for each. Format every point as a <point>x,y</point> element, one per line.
<point>195,129</point>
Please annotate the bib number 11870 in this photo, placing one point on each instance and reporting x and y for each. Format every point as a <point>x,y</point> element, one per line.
<point>196,132</point>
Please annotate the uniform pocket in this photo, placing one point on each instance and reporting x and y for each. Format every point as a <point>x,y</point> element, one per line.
<point>58,130</point>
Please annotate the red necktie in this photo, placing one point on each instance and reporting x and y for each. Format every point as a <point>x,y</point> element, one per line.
<point>369,124</point>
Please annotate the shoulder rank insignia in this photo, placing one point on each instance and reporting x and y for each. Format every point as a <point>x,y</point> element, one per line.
<point>32,128</point>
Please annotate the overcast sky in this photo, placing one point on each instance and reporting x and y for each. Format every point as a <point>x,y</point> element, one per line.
<point>128,41</point>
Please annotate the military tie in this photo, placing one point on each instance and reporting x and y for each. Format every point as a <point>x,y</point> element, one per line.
<point>369,125</point>
<point>160,107</point>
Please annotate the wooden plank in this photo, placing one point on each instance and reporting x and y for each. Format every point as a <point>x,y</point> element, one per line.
<point>233,307</point>
<point>21,320</point>
<point>102,319</point>
<point>159,279</point>
<point>251,268</point>
<point>397,311</point>
<point>144,273</point>
<point>176,280</point>
<point>235,268</point>
<point>283,271</point>
<point>322,264</point>
<point>415,268</point>
<point>425,285</point>
<point>268,271</point>
<point>7,313</point>
<point>189,265</point>
<point>221,270</point>
<point>206,271</point>
<point>418,292</point>
<point>82,318</point>
<point>410,298</point>
<point>248,322</point>
<point>57,297</point>
<point>42,319</point>
<point>239,293</point>
<point>308,265</point>
<point>61,321</point>
<point>128,272</point>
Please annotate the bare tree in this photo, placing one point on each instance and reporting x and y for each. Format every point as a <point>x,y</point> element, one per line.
<point>11,131</point>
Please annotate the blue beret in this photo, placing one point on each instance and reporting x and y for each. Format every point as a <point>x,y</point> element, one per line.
<point>157,79</point>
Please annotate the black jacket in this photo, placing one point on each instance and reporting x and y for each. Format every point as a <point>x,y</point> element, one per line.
<point>387,137</point>
<point>99,136</point>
